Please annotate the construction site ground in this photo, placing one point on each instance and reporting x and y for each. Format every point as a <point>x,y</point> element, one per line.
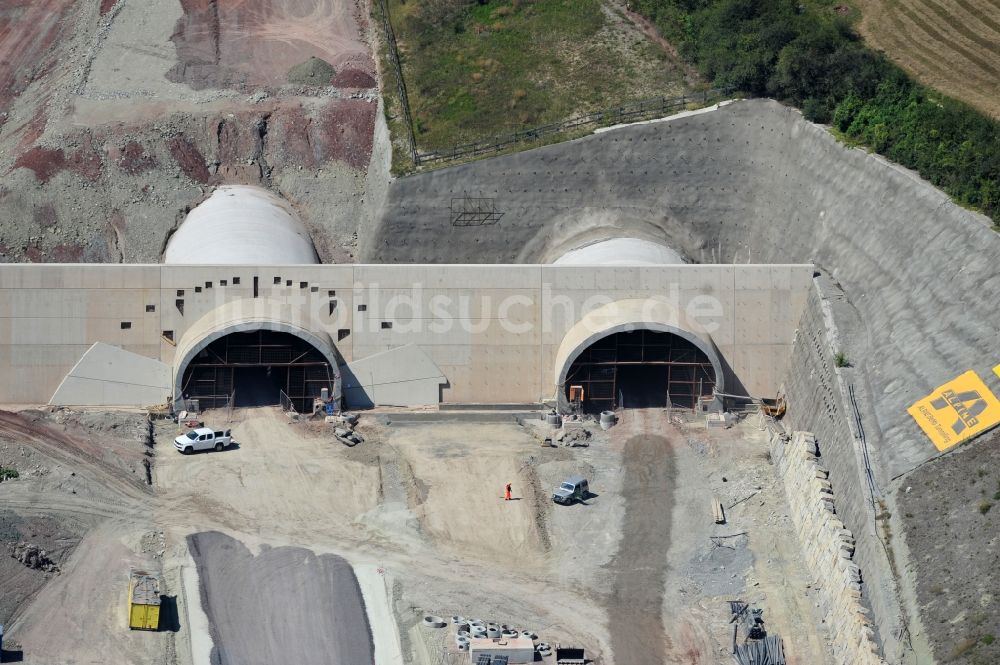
<point>409,523</point>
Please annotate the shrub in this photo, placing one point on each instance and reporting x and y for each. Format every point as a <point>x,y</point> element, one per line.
<point>8,473</point>
<point>815,60</point>
<point>984,506</point>
<point>840,359</point>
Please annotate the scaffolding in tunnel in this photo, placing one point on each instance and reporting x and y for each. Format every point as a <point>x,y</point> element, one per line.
<point>255,369</point>
<point>641,368</point>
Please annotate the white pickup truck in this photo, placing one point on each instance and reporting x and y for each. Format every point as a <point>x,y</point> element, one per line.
<point>202,438</point>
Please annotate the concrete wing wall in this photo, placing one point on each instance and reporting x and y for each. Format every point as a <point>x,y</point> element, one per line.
<point>110,376</point>
<point>404,376</point>
<point>50,315</point>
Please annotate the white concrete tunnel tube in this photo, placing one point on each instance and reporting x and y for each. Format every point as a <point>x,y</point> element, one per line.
<point>241,225</point>
<point>620,252</point>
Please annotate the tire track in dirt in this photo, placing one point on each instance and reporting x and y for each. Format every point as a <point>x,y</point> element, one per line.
<point>79,455</point>
<point>639,567</point>
<point>947,44</point>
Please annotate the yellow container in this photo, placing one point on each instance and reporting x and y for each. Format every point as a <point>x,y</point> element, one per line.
<point>143,601</point>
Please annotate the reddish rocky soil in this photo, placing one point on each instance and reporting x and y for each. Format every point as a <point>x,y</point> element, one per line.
<point>353,78</point>
<point>46,162</point>
<point>28,28</point>
<point>90,171</point>
<point>239,43</point>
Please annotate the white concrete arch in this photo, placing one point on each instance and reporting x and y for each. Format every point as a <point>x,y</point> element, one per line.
<point>624,316</point>
<point>241,225</point>
<point>620,252</point>
<point>248,315</point>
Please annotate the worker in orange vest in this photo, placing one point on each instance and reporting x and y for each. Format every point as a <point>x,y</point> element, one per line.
<point>506,494</point>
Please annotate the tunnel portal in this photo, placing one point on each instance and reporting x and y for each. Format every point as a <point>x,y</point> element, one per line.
<point>255,368</point>
<point>640,369</point>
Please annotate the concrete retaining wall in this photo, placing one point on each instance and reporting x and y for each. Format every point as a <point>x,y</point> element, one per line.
<point>829,549</point>
<point>817,403</point>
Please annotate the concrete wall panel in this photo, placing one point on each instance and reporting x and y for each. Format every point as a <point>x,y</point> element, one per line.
<point>110,376</point>
<point>404,376</point>
<point>485,356</point>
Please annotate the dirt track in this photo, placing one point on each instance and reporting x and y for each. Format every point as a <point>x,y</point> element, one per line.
<point>639,567</point>
<point>285,605</point>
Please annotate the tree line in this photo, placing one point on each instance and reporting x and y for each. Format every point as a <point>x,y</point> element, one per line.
<point>810,56</point>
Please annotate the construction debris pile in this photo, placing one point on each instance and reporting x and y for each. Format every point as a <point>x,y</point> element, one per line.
<point>758,648</point>
<point>493,643</point>
<point>344,424</point>
<point>33,557</point>
<point>576,437</point>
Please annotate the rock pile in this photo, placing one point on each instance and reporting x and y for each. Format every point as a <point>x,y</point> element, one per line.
<point>314,71</point>
<point>576,437</point>
<point>33,557</point>
<point>344,428</point>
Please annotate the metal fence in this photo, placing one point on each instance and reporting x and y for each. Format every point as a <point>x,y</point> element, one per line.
<point>645,109</point>
<point>287,405</point>
<point>390,40</point>
<point>183,404</point>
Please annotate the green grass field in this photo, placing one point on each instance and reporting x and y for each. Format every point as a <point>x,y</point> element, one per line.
<point>477,70</point>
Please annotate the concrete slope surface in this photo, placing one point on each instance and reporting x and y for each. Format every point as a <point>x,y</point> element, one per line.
<point>749,182</point>
<point>284,605</point>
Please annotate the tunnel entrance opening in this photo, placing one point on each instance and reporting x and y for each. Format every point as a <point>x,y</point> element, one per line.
<point>254,369</point>
<point>640,369</point>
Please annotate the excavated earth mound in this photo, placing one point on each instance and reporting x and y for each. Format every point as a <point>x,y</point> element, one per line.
<point>117,118</point>
<point>313,71</point>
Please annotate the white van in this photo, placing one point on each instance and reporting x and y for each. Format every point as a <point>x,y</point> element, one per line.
<point>202,438</point>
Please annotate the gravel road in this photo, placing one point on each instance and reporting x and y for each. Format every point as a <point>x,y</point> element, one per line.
<point>284,605</point>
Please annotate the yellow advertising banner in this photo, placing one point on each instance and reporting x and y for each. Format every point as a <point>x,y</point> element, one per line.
<point>956,411</point>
